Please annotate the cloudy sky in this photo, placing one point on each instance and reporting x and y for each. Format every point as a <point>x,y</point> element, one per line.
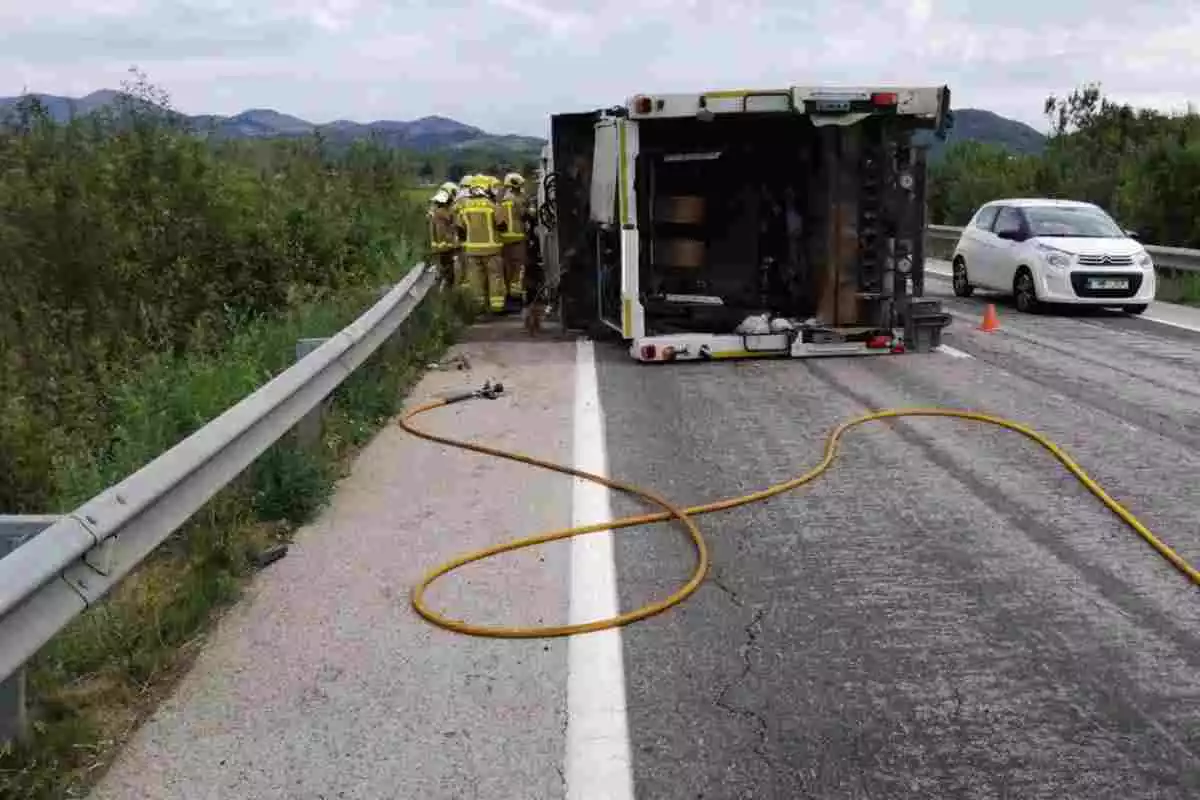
<point>505,64</point>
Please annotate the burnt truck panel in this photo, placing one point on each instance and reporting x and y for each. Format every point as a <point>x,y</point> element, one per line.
<point>572,143</point>
<point>817,218</point>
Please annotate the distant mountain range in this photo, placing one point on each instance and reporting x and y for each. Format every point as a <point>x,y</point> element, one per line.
<point>975,124</point>
<point>424,134</point>
<point>439,133</point>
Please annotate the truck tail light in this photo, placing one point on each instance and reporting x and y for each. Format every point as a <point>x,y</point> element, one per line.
<point>649,352</point>
<point>884,99</point>
<point>879,342</point>
<point>643,105</point>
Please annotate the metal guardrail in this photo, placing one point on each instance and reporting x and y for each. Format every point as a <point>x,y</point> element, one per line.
<point>1173,259</point>
<point>53,576</point>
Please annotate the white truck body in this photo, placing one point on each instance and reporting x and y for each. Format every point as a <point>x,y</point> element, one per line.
<point>815,246</point>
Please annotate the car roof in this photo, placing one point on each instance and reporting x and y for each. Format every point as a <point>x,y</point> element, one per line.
<point>1026,202</point>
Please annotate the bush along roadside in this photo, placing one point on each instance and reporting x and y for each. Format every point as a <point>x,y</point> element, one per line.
<point>94,683</point>
<point>124,235</point>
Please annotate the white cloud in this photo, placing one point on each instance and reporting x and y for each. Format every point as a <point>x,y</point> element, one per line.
<point>553,21</point>
<point>506,64</point>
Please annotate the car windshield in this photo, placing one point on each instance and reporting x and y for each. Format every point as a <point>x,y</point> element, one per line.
<point>1071,221</point>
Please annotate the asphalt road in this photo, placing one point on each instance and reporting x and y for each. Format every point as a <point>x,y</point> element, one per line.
<point>946,614</point>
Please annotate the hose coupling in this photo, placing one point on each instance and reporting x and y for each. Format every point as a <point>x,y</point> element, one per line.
<point>489,391</point>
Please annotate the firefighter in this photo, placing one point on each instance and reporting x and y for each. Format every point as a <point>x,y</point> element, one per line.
<point>461,196</point>
<point>493,186</point>
<point>453,189</point>
<point>484,272</point>
<point>443,233</point>
<point>515,211</point>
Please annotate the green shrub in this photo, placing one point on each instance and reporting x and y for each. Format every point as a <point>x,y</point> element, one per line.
<point>126,240</point>
<point>290,484</point>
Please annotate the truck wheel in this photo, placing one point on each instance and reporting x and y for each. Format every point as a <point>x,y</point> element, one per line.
<point>1024,292</point>
<point>962,286</point>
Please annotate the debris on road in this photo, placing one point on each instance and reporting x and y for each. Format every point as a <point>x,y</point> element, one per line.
<point>458,362</point>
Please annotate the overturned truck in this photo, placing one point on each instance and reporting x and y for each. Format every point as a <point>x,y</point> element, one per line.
<point>745,223</point>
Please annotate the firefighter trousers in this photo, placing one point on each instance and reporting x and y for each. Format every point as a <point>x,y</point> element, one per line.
<point>447,267</point>
<point>514,255</point>
<point>484,276</point>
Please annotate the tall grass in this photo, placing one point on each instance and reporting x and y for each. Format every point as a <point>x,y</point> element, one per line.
<point>1180,287</point>
<point>125,239</point>
<point>149,281</point>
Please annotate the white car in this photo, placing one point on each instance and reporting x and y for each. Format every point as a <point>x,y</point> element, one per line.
<point>1053,251</point>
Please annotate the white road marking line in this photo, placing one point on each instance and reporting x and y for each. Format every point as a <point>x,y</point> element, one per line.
<point>953,351</point>
<point>598,756</point>
<point>1150,316</point>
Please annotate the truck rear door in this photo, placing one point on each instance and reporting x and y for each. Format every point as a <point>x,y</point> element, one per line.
<point>568,191</point>
<point>605,180</point>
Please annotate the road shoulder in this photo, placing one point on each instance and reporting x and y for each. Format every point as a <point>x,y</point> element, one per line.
<point>323,683</point>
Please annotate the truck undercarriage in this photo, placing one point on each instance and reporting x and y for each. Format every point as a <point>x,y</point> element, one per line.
<point>741,234</point>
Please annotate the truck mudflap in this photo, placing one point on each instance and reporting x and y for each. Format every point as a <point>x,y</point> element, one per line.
<point>721,346</point>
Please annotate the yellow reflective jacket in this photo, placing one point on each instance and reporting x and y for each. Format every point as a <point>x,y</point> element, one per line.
<point>512,211</point>
<point>443,235</point>
<point>478,217</point>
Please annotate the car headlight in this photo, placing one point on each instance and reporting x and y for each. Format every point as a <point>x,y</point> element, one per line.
<point>1056,258</point>
<point>1144,260</point>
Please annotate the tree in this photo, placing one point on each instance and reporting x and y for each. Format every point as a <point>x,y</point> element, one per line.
<point>1141,165</point>
<point>972,173</point>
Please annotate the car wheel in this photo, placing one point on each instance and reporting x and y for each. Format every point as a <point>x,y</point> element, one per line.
<point>1140,308</point>
<point>962,286</point>
<point>1024,292</point>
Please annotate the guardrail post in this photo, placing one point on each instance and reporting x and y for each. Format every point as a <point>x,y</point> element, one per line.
<point>15,529</point>
<point>308,429</point>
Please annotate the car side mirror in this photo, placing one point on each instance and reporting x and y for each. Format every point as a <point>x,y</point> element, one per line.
<point>1012,236</point>
<point>1132,234</point>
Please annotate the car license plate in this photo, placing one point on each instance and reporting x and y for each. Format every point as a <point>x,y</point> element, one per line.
<point>1108,283</point>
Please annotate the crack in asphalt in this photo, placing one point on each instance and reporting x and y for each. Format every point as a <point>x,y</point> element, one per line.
<point>752,630</point>
<point>715,579</point>
<point>565,720</point>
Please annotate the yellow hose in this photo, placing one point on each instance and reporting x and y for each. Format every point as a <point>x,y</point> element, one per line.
<point>685,515</point>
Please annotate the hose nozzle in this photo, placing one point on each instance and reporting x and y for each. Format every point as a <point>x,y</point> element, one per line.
<point>489,391</point>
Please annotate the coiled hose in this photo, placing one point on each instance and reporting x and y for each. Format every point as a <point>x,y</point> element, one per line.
<point>685,515</point>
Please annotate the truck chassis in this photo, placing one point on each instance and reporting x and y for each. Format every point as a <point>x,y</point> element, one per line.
<point>613,254</point>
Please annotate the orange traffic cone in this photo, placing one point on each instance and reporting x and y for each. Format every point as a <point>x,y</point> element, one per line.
<point>990,323</point>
